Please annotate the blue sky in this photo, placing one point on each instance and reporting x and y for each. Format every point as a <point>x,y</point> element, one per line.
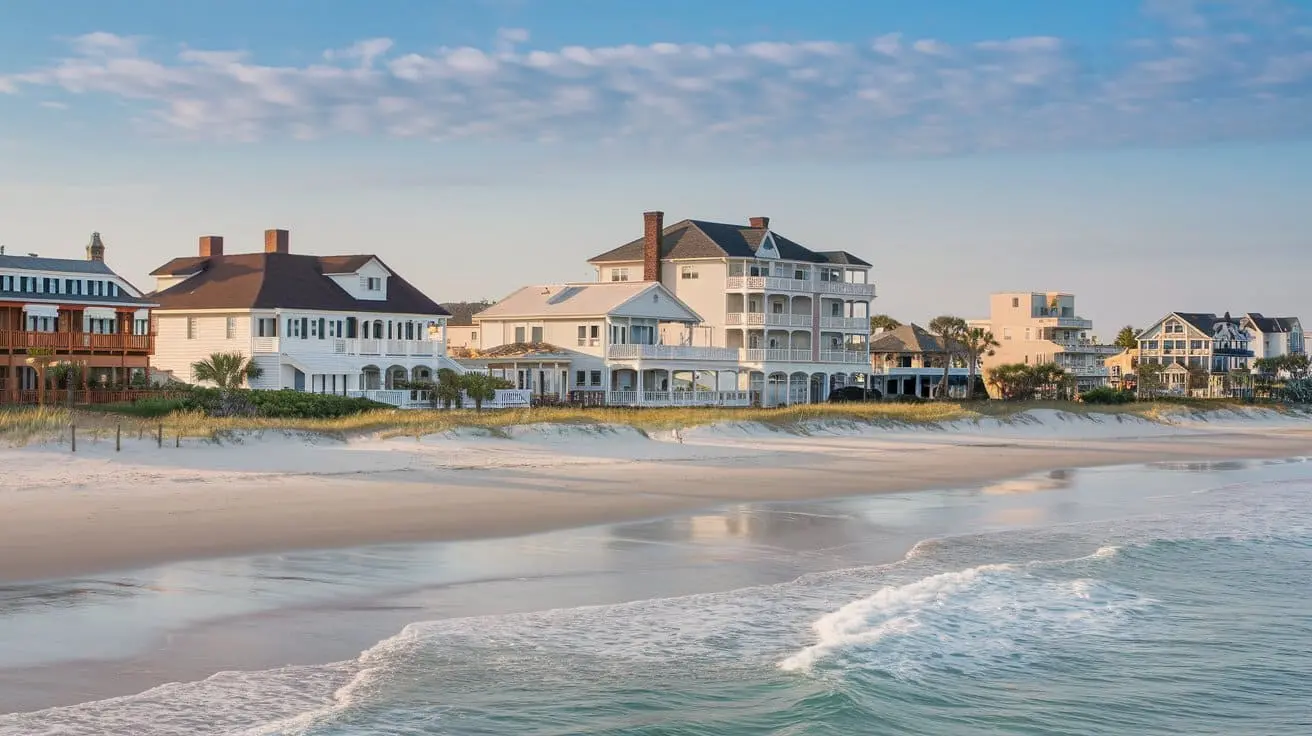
<point>1146,156</point>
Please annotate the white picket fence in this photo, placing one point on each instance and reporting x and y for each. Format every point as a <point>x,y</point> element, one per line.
<point>414,399</point>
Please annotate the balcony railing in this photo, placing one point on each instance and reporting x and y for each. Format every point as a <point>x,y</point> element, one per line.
<point>809,286</point>
<point>776,355</point>
<point>845,288</point>
<point>1073,323</point>
<point>844,323</point>
<point>349,346</point>
<point>845,356</point>
<point>770,319</point>
<point>679,398</point>
<point>670,352</point>
<point>64,342</point>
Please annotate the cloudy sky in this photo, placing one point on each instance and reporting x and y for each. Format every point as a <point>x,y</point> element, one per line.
<point>1146,156</point>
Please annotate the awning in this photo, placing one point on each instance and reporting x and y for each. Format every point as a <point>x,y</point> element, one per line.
<point>99,313</point>
<point>42,310</point>
<point>141,314</point>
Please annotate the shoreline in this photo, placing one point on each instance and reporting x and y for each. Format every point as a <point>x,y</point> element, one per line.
<point>100,511</point>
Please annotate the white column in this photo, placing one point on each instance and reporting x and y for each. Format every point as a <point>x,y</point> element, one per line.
<point>638,382</point>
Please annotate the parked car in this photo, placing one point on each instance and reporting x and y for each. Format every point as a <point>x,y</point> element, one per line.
<point>853,393</point>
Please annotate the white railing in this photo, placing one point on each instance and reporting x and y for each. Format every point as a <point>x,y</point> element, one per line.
<point>264,345</point>
<point>679,398</point>
<point>844,356</point>
<point>370,346</point>
<point>845,288</point>
<point>844,323</point>
<point>768,318</point>
<point>415,399</point>
<point>775,355</point>
<point>671,352</point>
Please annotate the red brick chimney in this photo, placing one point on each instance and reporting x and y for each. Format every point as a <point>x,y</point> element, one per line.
<point>652,225</point>
<point>211,245</point>
<point>761,223</point>
<point>277,241</point>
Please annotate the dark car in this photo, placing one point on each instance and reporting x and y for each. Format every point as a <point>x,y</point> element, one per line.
<point>853,393</point>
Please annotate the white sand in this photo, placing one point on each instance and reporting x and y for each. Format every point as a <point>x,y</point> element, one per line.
<point>98,509</point>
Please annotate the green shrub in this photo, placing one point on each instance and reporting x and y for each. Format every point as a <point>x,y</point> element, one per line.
<point>284,404</point>
<point>1106,395</point>
<point>142,408</point>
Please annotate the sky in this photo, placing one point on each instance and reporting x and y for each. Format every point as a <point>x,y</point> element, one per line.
<point>1146,156</point>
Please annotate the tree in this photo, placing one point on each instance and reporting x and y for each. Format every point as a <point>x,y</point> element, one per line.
<point>226,370</point>
<point>1127,338</point>
<point>1149,378</point>
<point>481,387</point>
<point>883,322</point>
<point>1019,381</point>
<point>976,342</point>
<point>448,388</point>
<point>1297,365</point>
<point>950,329</point>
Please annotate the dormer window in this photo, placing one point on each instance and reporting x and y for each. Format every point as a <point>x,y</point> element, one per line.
<point>373,283</point>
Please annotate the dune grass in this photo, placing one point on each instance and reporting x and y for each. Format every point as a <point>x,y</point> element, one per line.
<point>24,425</point>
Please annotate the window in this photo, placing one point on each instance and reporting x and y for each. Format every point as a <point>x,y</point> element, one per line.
<point>777,308</point>
<point>230,328</point>
<point>373,283</point>
<point>191,328</point>
<point>594,333</point>
<point>580,378</point>
<point>1006,333</point>
<point>519,334</point>
<point>1195,344</point>
<point>1027,333</point>
<point>537,334</point>
<point>113,289</point>
<point>583,334</point>
<point>619,274</point>
<point>596,378</point>
<point>1015,302</point>
<point>799,274</point>
<point>688,272</point>
<point>266,327</point>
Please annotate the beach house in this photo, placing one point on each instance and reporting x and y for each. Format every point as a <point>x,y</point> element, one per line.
<point>1197,348</point>
<point>1035,327</point>
<point>1274,337</point>
<point>791,323</point>
<point>908,361</point>
<point>79,312</point>
<point>325,324</point>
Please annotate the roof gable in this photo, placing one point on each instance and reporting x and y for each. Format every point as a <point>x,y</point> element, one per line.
<point>592,299</point>
<point>910,338</point>
<point>690,239</point>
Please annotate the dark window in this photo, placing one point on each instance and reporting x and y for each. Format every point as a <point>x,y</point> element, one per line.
<point>596,378</point>
<point>537,334</point>
<point>305,327</point>
<point>580,378</point>
<point>323,324</point>
<point>519,334</point>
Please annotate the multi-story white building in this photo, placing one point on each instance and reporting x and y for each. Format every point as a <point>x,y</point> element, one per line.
<point>325,324</point>
<point>1043,327</point>
<point>789,322</point>
<point>1274,337</point>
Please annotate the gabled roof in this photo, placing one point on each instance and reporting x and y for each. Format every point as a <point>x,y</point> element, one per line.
<point>522,350</point>
<point>462,313</point>
<point>702,239</point>
<point>1273,324</point>
<point>593,299</point>
<point>907,339</point>
<point>281,280</point>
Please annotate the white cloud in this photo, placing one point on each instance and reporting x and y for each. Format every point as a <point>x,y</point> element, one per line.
<point>1224,76</point>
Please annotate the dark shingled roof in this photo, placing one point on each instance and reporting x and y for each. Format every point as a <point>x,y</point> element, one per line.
<point>281,280</point>
<point>520,349</point>
<point>462,313</point>
<point>907,339</point>
<point>1273,324</point>
<point>702,239</point>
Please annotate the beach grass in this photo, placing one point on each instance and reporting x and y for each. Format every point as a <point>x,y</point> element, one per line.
<point>25,425</point>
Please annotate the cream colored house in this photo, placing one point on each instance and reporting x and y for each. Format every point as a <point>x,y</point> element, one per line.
<point>1043,327</point>
<point>794,322</point>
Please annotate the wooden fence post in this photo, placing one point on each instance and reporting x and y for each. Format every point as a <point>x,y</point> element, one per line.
<point>177,440</point>
<point>72,434</point>
<point>159,438</point>
<point>118,437</point>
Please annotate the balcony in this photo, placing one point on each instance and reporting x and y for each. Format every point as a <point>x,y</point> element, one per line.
<point>806,286</point>
<point>845,288</point>
<point>854,357</point>
<point>764,319</point>
<point>349,346</point>
<point>775,355</point>
<point>678,398</point>
<point>76,342</point>
<point>860,324</point>
<point>670,352</point>
<point>1232,352</point>
<point>1070,323</point>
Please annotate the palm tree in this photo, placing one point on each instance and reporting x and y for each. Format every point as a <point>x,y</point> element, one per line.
<point>448,388</point>
<point>883,322</point>
<point>950,329</point>
<point>481,387</point>
<point>226,370</point>
<point>976,342</point>
<point>41,359</point>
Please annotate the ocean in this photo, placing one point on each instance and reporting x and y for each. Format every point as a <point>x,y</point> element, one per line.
<point>1188,613</point>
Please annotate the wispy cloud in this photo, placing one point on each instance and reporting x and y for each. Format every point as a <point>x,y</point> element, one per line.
<point>1240,69</point>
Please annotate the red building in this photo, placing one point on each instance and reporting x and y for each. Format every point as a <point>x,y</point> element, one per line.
<point>79,314</point>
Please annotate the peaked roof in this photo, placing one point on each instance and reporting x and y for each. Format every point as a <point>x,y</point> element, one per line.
<point>910,338</point>
<point>592,299</point>
<point>1273,324</point>
<point>462,313</point>
<point>519,350</point>
<point>702,239</point>
<point>281,280</point>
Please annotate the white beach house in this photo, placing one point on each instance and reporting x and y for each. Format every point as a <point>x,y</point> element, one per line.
<point>325,324</point>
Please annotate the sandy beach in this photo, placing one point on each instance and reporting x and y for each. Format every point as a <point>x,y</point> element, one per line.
<point>96,510</point>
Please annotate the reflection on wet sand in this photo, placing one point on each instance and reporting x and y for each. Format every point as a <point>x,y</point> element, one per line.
<point>1050,481</point>
<point>1201,467</point>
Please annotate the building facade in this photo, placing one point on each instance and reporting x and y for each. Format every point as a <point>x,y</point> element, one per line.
<point>1198,347</point>
<point>1274,337</point>
<point>1043,327</point>
<point>324,324</point>
<point>791,323</point>
<point>79,311</point>
<point>908,361</point>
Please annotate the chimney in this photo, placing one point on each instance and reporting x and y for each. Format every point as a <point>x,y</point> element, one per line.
<point>211,245</point>
<point>761,223</point>
<point>96,248</point>
<point>653,223</point>
<point>277,241</point>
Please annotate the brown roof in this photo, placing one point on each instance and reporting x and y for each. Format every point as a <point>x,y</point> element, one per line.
<point>462,313</point>
<point>520,349</point>
<point>702,239</point>
<point>907,339</point>
<point>281,280</point>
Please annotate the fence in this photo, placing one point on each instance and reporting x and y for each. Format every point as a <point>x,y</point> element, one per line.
<point>78,397</point>
<point>420,399</point>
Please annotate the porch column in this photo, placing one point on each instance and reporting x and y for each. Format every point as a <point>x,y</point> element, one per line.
<point>638,383</point>
<point>669,385</point>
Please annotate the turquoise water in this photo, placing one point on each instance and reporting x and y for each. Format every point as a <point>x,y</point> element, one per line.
<point>1195,621</point>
